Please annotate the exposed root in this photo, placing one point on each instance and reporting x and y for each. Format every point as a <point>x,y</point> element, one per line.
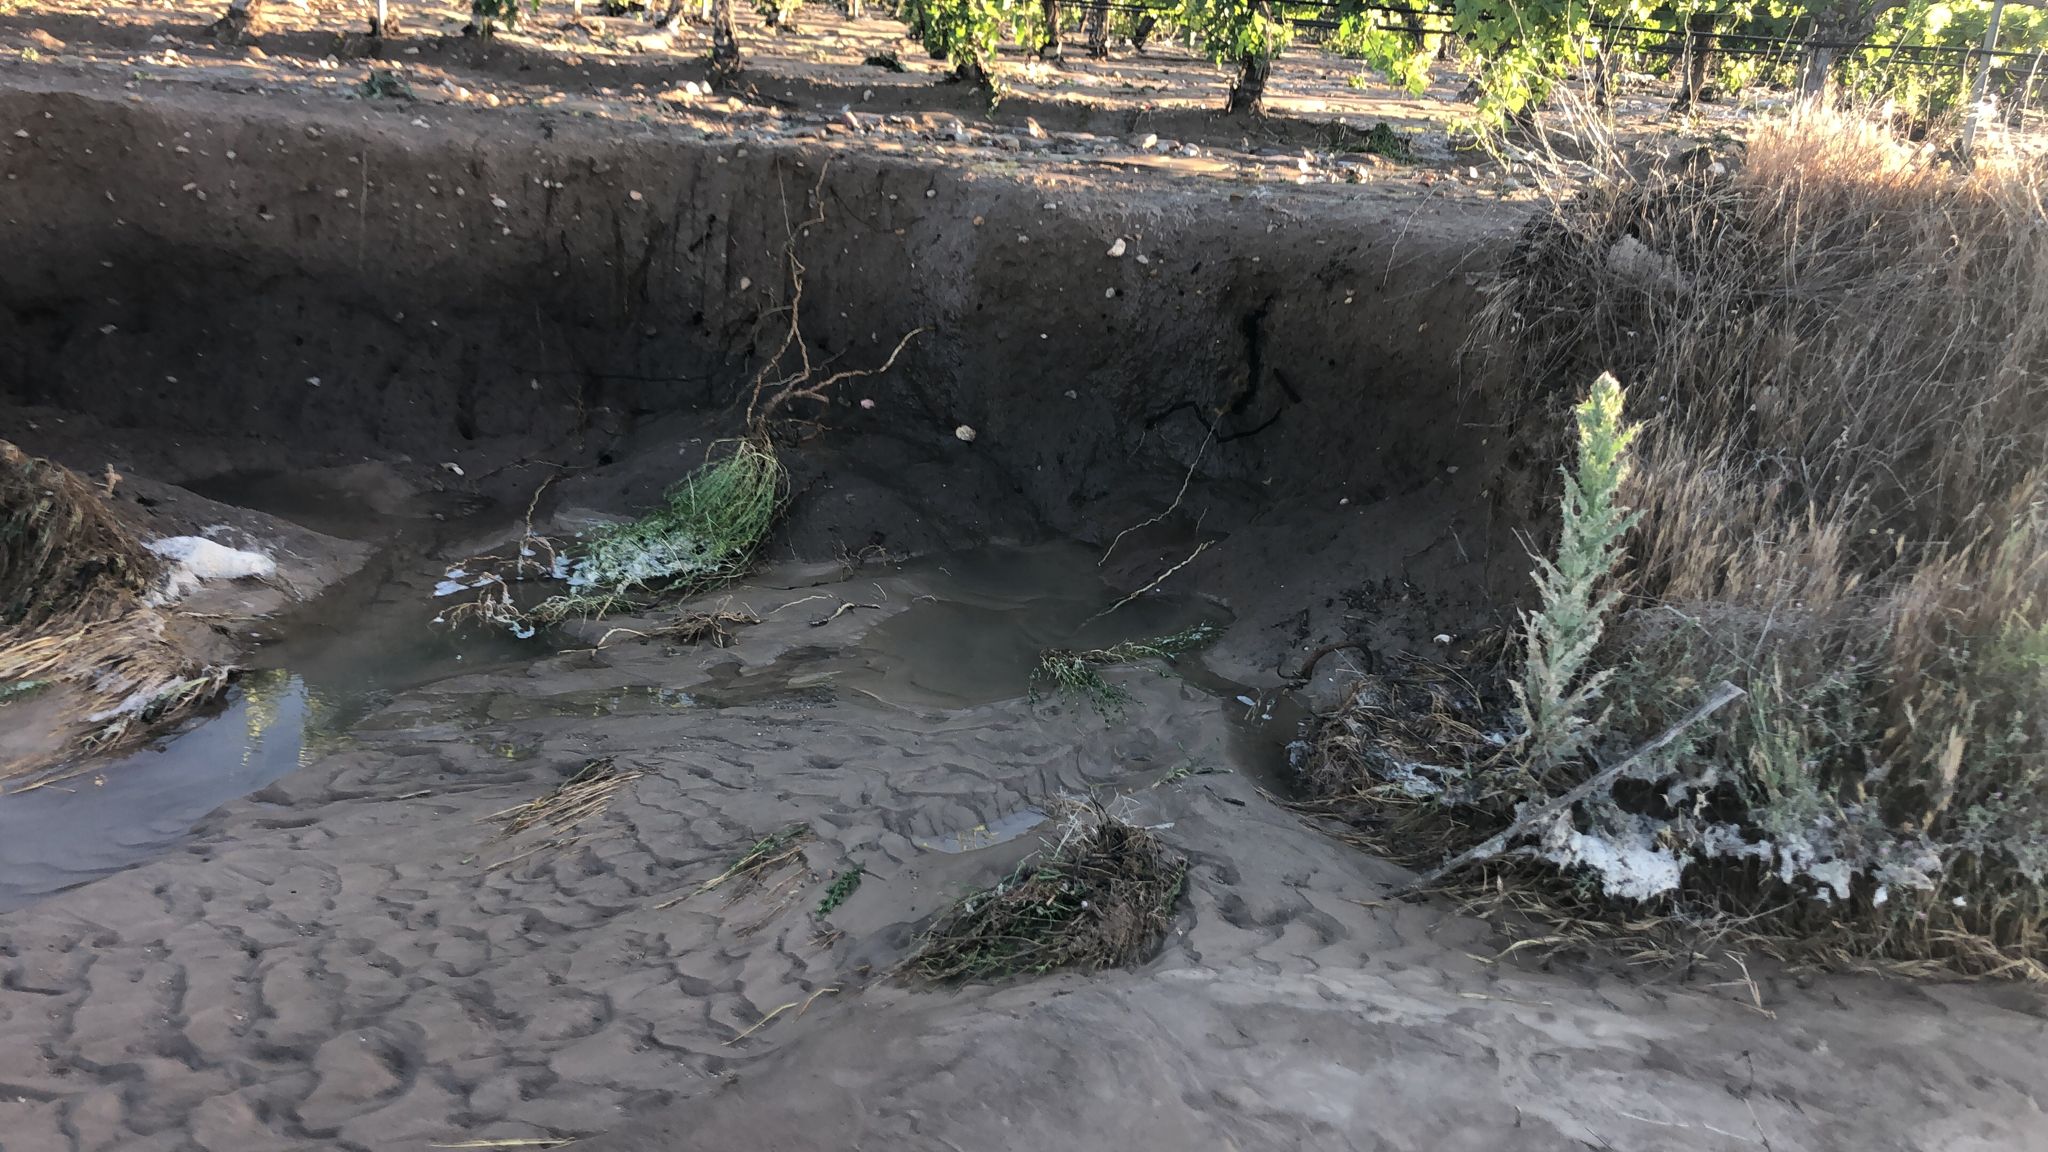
<point>842,610</point>
<point>1186,480</point>
<point>714,628</point>
<point>788,377</point>
<point>1156,581</point>
<point>801,1006</point>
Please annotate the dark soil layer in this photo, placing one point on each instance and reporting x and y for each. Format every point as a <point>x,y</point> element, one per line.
<point>259,285</point>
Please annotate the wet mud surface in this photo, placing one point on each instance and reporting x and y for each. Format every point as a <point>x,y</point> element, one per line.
<point>349,957</point>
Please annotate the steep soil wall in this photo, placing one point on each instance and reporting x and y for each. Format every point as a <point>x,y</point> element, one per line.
<point>429,277</point>
<point>317,284</point>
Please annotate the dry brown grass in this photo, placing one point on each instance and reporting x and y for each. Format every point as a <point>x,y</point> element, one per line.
<point>1837,348</point>
<point>65,559</point>
<point>74,618</point>
<point>585,796</point>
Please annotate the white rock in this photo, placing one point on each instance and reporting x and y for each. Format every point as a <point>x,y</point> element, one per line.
<point>964,434</point>
<point>1117,249</point>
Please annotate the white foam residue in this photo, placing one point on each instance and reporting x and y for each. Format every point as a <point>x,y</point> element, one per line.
<point>195,558</point>
<point>450,587</point>
<point>652,560</point>
<point>1409,778</point>
<point>1833,876</point>
<point>131,705</point>
<point>1915,869</point>
<point>1629,863</point>
<point>1726,842</point>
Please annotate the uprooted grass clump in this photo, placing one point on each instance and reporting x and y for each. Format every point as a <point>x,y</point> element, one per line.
<point>708,528</point>
<point>1837,349</point>
<point>1101,896</point>
<point>704,533</point>
<point>1068,672</point>
<point>76,616</point>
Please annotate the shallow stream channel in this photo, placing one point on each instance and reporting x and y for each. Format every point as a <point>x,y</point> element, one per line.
<point>905,650</point>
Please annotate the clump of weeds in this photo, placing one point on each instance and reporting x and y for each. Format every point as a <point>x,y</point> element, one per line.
<point>1067,672</point>
<point>1101,896</point>
<point>841,887</point>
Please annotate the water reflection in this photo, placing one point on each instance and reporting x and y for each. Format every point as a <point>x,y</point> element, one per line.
<point>87,826</point>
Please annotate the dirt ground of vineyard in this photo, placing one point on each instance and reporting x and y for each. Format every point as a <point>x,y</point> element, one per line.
<point>245,272</point>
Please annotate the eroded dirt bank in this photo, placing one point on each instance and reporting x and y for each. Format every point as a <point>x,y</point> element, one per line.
<point>279,282</point>
<point>350,958</point>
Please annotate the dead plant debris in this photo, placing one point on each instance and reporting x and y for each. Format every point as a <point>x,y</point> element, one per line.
<point>715,628</point>
<point>584,796</point>
<point>783,846</point>
<point>1068,672</point>
<point>75,616</point>
<point>1102,896</point>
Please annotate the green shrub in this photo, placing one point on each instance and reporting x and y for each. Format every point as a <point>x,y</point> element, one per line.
<point>1557,691</point>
